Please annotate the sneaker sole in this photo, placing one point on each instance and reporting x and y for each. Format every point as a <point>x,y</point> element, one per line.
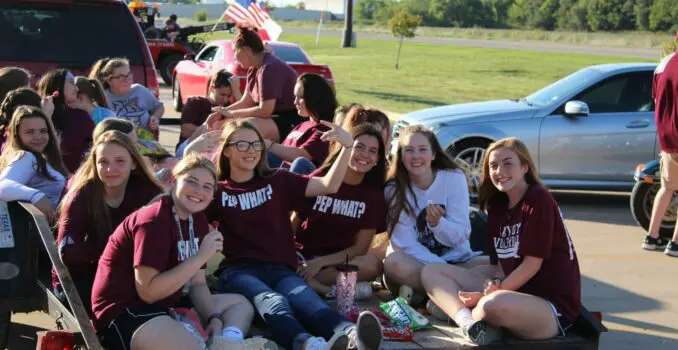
<point>338,342</point>
<point>482,334</point>
<point>653,247</point>
<point>370,334</point>
<point>672,253</point>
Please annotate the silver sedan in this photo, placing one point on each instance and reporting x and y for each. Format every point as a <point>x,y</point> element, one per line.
<point>587,131</point>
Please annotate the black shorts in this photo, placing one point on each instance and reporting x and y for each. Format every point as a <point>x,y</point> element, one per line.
<point>119,333</point>
<point>286,121</point>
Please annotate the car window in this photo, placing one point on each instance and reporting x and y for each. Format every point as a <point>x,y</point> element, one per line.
<point>623,93</point>
<point>289,54</point>
<point>563,87</point>
<point>76,34</point>
<point>208,53</point>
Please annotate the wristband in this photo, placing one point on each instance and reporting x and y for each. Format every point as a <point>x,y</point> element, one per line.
<point>213,316</point>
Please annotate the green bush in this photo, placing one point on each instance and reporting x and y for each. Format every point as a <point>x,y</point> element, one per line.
<point>200,15</point>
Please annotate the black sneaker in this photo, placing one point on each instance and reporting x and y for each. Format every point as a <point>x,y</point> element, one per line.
<point>481,333</point>
<point>654,243</point>
<point>671,249</point>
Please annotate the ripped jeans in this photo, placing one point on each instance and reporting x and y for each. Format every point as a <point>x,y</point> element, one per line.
<point>285,302</point>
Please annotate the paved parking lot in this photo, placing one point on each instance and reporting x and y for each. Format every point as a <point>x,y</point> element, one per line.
<point>637,291</point>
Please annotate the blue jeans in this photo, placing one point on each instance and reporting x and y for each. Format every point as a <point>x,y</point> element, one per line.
<point>285,302</point>
<point>300,165</point>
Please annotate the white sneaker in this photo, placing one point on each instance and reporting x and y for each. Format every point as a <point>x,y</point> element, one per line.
<point>339,341</point>
<point>363,290</point>
<point>406,292</point>
<point>370,332</point>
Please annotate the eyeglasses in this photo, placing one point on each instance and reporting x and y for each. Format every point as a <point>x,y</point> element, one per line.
<point>244,146</point>
<point>123,76</point>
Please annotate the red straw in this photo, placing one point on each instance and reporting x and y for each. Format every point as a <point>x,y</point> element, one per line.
<point>55,94</point>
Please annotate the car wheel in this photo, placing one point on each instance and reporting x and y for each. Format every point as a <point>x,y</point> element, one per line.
<point>167,67</point>
<point>176,95</point>
<point>471,154</point>
<point>642,200</point>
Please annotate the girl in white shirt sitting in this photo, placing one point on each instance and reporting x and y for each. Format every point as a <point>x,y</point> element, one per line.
<point>31,167</point>
<point>428,216</point>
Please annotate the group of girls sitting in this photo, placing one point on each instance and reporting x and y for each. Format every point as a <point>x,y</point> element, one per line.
<point>137,249</point>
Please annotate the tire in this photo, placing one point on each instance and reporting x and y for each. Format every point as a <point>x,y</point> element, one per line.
<point>176,96</point>
<point>642,200</point>
<point>167,67</point>
<point>5,323</point>
<point>470,153</point>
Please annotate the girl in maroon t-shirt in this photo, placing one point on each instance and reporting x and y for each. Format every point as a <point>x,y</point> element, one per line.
<point>303,150</point>
<point>268,102</point>
<point>74,126</point>
<point>154,258</point>
<point>334,227</point>
<point>535,292</point>
<point>113,182</point>
<point>252,205</point>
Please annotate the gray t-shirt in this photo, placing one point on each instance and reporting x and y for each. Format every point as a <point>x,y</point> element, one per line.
<point>136,106</point>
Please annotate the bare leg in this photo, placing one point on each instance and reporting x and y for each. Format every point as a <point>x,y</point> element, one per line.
<point>404,270</point>
<point>163,333</point>
<point>526,316</point>
<point>475,261</point>
<point>661,204</point>
<point>236,311</point>
<point>443,283</point>
<point>369,267</point>
<point>267,128</point>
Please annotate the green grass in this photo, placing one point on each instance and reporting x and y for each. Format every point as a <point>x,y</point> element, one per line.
<point>432,75</point>
<point>628,39</point>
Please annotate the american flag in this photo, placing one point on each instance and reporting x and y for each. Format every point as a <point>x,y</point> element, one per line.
<point>252,12</point>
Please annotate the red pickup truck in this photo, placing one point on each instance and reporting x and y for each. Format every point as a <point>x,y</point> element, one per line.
<point>191,76</point>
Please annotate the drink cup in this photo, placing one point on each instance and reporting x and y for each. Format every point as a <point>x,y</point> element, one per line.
<point>346,281</point>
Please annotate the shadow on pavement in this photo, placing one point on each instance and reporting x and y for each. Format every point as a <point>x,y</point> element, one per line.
<point>601,207</point>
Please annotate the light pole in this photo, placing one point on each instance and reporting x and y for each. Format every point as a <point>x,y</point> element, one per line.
<point>348,24</point>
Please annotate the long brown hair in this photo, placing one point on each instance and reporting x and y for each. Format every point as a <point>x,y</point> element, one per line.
<point>399,178</point>
<point>87,179</point>
<point>14,99</point>
<point>376,175</point>
<point>12,78</point>
<point>93,89</point>
<point>14,148</point>
<point>487,191</point>
<point>224,165</point>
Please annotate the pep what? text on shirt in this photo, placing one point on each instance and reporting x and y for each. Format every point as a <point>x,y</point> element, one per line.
<point>345,207</point>
<point>248,200</point>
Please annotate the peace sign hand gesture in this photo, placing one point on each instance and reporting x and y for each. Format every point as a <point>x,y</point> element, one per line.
<point>338,134</point>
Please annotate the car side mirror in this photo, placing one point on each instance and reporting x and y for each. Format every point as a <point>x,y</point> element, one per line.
<point>189,57</point>
<point>576,109</point>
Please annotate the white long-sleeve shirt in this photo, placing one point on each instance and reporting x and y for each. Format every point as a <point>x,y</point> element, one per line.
<point>20,181</point>
<point>449,240</point>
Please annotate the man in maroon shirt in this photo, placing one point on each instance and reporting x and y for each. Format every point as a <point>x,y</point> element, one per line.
<point>665,92</point>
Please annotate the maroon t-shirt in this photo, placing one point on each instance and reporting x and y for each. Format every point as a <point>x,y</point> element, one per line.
<point>74,128</point>
<point>331,223</point>
<point>148,237</point>
<point>307,137</point>
<point>665,92</point>
<point>79,251</point>
<point>534,227</point>
<point>254,217</point>
<point>274,80</point>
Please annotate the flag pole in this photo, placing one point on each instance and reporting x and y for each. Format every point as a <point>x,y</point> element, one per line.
<point>322,16</point>
<point>219,20</point>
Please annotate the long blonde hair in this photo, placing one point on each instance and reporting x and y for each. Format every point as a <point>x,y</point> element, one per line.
<point>224,165</point>
<point>87,178</point>
<point>14,148</point>
<point>399,178</point>
<point>487,191</point>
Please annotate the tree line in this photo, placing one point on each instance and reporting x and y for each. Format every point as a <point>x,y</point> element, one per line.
<point>577,15</point>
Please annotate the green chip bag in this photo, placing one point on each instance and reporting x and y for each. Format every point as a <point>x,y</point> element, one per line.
<point>417,320</point>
